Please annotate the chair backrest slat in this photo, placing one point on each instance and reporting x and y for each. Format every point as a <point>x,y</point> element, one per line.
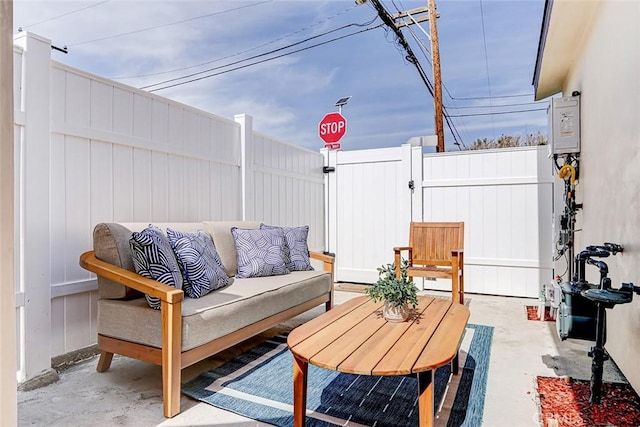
<point>433,242</point>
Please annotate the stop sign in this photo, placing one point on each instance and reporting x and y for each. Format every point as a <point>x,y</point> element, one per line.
<point>332,127</point>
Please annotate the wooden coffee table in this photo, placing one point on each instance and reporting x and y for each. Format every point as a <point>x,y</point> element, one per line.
<point>356,339</point>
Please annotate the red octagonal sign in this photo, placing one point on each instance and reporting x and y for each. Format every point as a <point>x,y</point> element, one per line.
<point>332,127</point>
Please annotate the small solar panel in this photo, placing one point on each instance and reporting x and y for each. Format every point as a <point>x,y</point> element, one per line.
<point>342,101</point>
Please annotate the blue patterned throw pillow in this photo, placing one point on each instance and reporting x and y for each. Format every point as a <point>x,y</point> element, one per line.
<point>297,249</point>
<point>199,262</point>
<point>260,252</point>
<point>153,258</point>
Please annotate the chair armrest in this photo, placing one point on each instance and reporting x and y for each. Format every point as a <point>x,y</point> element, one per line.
<point>169,294</point>
<point>397,258</point>
<point>457,256</point>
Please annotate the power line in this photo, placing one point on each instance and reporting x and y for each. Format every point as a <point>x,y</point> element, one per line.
<point>448,117</point>
<point>264,60</point>
<point>453,128</point>
<point>499,106</point>
<point>170,23</point>
<point>426,53</point>
<point>246,50</point>
<point>450,124</point>
<point>490,97</point>
<point>486,61</point>
<point>498,113</point>
<point>66,14</point>
<point>387,20</point>
<point>250,58</point>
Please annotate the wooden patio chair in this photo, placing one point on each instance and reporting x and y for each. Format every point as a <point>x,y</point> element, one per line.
<point>436,250</point>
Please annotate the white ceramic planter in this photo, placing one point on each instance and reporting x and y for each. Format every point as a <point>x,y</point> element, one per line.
<point>393,313</point>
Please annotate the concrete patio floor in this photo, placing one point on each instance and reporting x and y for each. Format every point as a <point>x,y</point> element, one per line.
<point>130,393</point>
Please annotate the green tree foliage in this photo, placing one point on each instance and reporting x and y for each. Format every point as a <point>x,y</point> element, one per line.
<point>507,141</point>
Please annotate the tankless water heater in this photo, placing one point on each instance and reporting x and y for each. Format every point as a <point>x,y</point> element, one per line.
<point>564,125</point>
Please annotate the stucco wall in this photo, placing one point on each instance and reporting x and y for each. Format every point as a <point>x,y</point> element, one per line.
<point>607,74</point>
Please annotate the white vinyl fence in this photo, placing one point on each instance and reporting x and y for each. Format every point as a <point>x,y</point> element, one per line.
<point>90,150</point>
<point>504,197</point>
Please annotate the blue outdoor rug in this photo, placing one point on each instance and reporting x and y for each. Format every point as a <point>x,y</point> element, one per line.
<point>259,385</point>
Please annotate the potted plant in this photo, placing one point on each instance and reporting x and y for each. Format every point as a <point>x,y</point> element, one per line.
<point>399,294</point>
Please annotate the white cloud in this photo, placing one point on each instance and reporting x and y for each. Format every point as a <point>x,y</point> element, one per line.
<point>288,96</point>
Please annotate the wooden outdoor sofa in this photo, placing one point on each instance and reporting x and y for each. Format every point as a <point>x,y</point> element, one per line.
<point>186,330</point>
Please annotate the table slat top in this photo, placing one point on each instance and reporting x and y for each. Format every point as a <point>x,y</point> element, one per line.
<point>355,338</point>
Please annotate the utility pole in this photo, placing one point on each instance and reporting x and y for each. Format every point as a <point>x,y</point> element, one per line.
<point>406,18</point>
<point>437,77</point>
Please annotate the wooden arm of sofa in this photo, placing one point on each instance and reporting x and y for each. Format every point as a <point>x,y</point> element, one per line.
<point>328,260</point>
<point>166,293</point>
<point>329,264</point>
<point>171,321</point>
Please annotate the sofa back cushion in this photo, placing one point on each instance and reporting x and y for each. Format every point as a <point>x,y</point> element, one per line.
<point>111,244</point>
<point>220,231</point>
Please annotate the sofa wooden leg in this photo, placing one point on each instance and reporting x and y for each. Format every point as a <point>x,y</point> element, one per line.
<point>171,390</point>
<point>171,361</point>
<point>105,361</point>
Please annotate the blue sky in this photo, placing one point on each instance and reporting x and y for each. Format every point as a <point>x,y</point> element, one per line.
<point>487,48</point>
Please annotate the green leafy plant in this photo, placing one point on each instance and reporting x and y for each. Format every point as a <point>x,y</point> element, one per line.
<point>395,291</point>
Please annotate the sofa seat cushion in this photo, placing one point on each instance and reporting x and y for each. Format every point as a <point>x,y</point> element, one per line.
<point>216,314</point>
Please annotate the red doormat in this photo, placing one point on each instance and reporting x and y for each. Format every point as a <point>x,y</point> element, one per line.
<point>532,313</point>
<point>565,403</point>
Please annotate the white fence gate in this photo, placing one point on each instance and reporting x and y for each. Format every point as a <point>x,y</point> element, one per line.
<point>504,197</point>
<point>369,209</point>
